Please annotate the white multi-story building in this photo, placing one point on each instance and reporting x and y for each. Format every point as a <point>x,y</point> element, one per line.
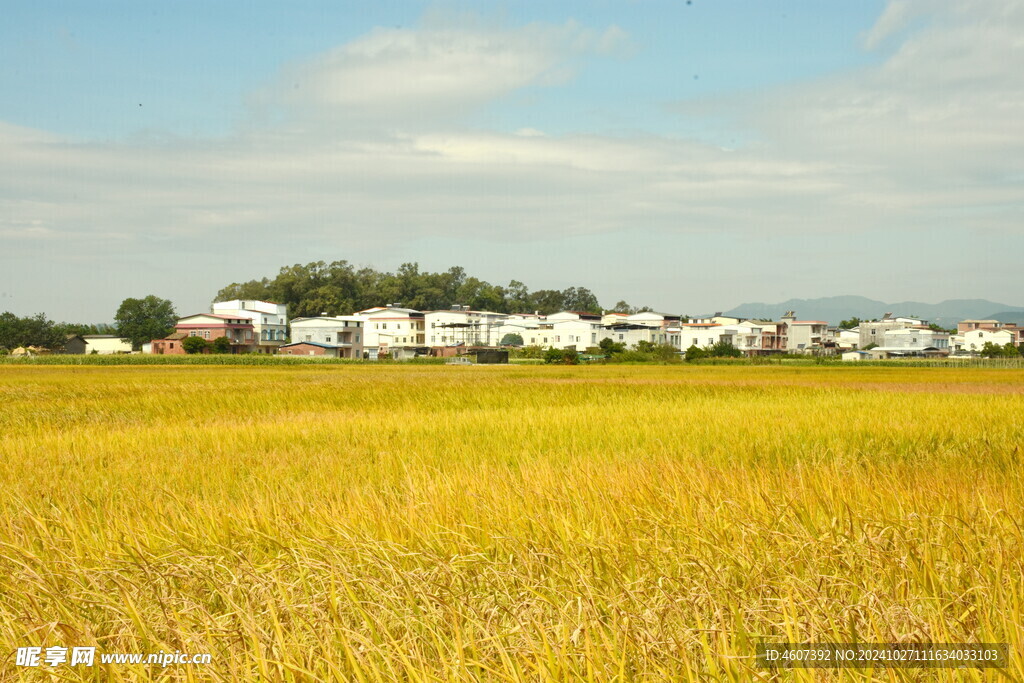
<point>918,338</point>
<point>391,330</point>
<point>700,335</point>
<point>340,336</point>
<point>461,326</point>
<point>269,320</point>
<point>873,332</point>
<point>974,340</point>
<point>848,340</point>
<point>805,336</point>
<point>576,334</point>
<point>668,326</point>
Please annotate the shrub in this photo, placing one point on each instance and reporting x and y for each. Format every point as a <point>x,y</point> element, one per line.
<point>562,356</point>
<point>512,339</point>
<point>694,353</point>
<point>221,345</point>
<point>609,347</point>
<point>194,344</point>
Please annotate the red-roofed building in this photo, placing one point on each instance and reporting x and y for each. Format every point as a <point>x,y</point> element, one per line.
<point>239,331</point>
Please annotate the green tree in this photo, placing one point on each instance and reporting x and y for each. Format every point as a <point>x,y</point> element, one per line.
<point>517,297</point>
<point>723,349</point>
<point>580,299</point>
<point>547,301</point>
<point>220,345</point>
<point>694,353</point>
<point>850,324</point>
<point>194,344</point>
<point>142,320</point>
<point>993,350</point>
<point>623,307</point>
<point>534,351</point>
<point>665,352</point>
<point>608,346</point>
<point>512,339</point>
<point>562,356</point>
<point>37,330</point>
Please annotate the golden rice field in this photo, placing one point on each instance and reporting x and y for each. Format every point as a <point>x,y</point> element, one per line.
<point>432,523</point>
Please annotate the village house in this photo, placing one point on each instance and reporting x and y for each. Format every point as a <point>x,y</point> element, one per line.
<point>269,320</point>
<point>460,326</point>
<point>805,336</point>
<point>913,341</point>
<point>702,334</point>
<point>338,337</point>
<point>975,339</point>
<point>392,330</point>
<point>873,332</point>
<point>102,344</point>
<point>240,333</point>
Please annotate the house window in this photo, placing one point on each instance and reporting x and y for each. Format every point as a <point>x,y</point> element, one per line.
<point>309,337</point>
<point>327,339</point>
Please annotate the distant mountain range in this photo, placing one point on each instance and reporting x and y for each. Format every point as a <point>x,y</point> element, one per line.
<point>836,308</point>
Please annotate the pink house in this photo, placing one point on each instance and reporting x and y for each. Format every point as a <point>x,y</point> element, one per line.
<point>209,326</point>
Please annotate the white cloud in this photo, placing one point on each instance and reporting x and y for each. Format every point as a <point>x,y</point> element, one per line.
<point>409,77</point>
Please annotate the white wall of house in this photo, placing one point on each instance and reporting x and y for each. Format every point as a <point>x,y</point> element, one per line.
<point>443,328</point>
<point>974,340</point>
<point>388,327</point>
<point>614,318</point>
<point>700,335</point>
<point>806,334</point>
<point>848,339</point>
<point>104,345</point>
<point>633,334</point>
<point>915,338</point>
<point>575,334</point>
<point>343,331</point>
<point>746,336</point>
<point>648,319</point>
<point>269,320</point>
<point>520,327</point>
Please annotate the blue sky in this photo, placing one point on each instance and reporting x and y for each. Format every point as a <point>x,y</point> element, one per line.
<point>688,156</point>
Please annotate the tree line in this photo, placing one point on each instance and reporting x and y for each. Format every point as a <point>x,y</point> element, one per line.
<point>138,320</point>
<point>339,288</point>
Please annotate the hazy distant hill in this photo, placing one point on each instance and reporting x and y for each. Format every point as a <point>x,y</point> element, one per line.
<point>1007,317</point>
<point>836,308</point>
